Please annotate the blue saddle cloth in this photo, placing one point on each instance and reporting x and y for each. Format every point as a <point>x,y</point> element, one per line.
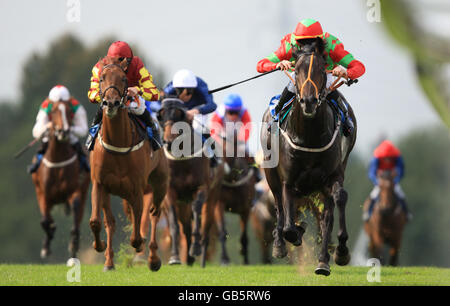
<point>288,106</point>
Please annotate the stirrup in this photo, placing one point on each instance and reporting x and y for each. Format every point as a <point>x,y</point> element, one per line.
<point>90,140</point>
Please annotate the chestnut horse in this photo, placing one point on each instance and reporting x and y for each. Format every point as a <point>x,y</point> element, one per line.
<point>388,219</point>
<point>238,192</point>
<point>313,155</point>
<point>124,164</point>
<point>193,185</point>
<point>60,179</point>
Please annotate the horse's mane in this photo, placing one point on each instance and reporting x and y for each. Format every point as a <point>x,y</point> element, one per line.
<point>310,45</point>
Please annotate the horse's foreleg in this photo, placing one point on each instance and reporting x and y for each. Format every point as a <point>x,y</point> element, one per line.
<point>110,227</point>
<point>77,212</point>
<point>199,202</point>
<point>97,197</point>
<point>186,221</point>
<point>174,229</point>
<point>244,237</point>
<point>136,207</point>
<point>206,223</point>
<point>279,246</point>
<point>49,227</point>
<point>222,231</point>
<point>327,227</point>
<point>154,262</point>
<point>291,232</point>
<point>341,255</point>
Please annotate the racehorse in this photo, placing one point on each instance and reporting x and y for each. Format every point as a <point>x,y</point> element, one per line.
<point>312,158</point>
<point>387,221</point>
<point>124,164</point>
<point>238,192</point>
<point>60,179</point>
<point>193,185</point>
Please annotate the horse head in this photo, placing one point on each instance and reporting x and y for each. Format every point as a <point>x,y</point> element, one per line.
<point>386,184</point>
<point>311,78</point>
<point>61,117</point>
<point>172,112</point>
<point>113,84</point>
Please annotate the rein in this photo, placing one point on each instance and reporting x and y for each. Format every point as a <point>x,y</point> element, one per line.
<point>320,96</point>
<point>122,94</point>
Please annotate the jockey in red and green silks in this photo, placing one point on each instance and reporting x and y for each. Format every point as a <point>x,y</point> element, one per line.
<point>337,58</point>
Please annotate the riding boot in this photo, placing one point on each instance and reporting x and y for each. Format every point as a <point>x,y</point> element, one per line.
<point>368,213</point>
<point>286,95</point>
<point>81,156</point>
<point>348,125</point>
<point>93,130</point>
<point>152,130</point>
<point>256,172</point>
<point>39,154</point>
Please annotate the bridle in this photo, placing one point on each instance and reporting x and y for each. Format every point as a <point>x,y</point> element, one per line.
<point>171,103</point>
<point>321,94</point>
<point>122,94</point>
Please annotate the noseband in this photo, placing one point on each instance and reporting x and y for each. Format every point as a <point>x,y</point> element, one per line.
<point>122,94</point>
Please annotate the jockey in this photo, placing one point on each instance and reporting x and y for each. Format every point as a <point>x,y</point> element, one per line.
<point>233,111</point>
<point>337,59</point>
<point>78,128</point>
<point>193,91</point>
<point>386,157</point>
<point>140,86</point>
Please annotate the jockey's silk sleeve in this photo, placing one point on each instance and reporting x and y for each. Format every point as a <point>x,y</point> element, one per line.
<point>79,123</point>
<point>373,167</point>
<point>93,93</point>
<point>334,49</point>
<point>41,124</point>
<point>146,87</point>
<point>284,52</point>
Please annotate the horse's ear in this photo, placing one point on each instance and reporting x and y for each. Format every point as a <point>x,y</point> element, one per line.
<point>296,52</point>
<point>124,64</point>
<point>159,115</point>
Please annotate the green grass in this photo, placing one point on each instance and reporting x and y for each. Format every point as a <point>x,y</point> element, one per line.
<point>277,275</point>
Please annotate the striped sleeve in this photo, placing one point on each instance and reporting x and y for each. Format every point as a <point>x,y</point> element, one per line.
<point>342,57</point>
<point>93,93</point>
<point>146,87</point>
<point>282,53</point>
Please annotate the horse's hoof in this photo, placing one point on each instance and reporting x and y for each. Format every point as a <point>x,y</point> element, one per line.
<point>108,268</point>
<point>138,245</point>
<point>340,258</point>
<point>279,251</point>
<point>323,269</point>
<point>190,260</point>
<point>154,265</point>
<point>225,262</point>
<point>294,234</point>
<point>196,249</point>
<point>174,260</point>
<point>45,253</point>
<point>99,248</point>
